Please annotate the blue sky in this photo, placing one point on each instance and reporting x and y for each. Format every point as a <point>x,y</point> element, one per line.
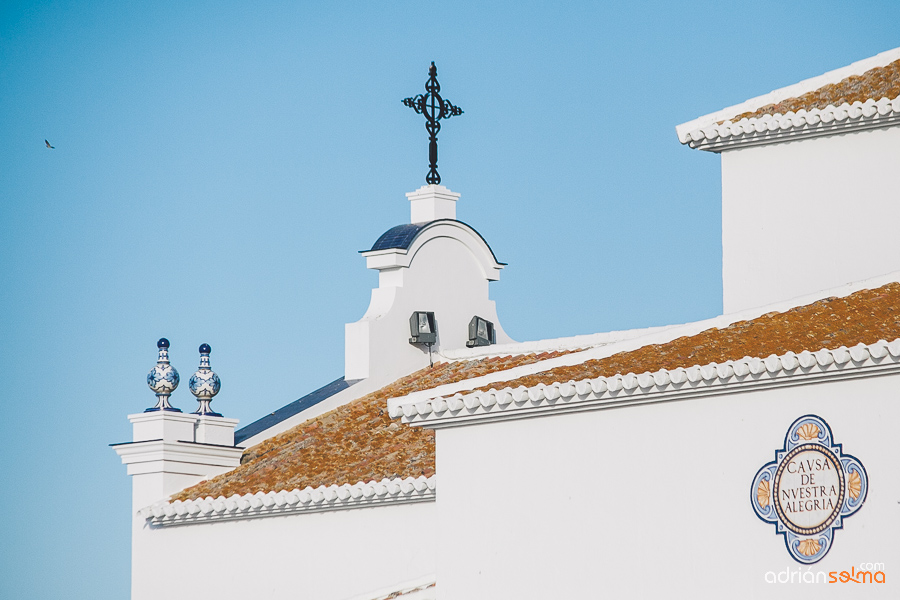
<point>218,166</point>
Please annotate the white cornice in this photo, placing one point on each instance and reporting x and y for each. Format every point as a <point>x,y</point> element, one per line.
<point>189,458</point>
<point>747,374</point>
<point>254,506</point>
<point>769,129</point>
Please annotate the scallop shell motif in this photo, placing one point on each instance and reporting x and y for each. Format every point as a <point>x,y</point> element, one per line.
<point>809,547</point>
<point>854,485</point>
<point>808,431</point>
<point>762,493</point>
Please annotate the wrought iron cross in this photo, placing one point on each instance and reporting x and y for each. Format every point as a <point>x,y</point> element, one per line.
<point>434,108</point>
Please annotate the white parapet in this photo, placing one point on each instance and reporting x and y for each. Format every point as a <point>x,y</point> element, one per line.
<point>171,451</point>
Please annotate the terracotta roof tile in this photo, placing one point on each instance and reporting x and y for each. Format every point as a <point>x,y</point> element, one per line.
<point>359,441</point>
<point>354,442</point>
<point>877,83</point>
<point>862,317</point>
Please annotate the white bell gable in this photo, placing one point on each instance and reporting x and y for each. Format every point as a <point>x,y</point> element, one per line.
<point>435,264</point>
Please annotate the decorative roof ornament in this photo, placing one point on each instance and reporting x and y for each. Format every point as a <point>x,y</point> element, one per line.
<point>205,384</point>
<point>163,378</point>
<point>435,108</point>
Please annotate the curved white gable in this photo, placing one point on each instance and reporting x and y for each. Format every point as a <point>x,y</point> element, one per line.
<point>447,228</point>
<point>444,269</point>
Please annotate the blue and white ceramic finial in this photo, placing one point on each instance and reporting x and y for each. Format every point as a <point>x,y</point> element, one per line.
<point>163,378</point>
<point>205,384</point>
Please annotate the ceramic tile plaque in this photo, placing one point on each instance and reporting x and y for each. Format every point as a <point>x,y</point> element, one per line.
<point>809,489</point>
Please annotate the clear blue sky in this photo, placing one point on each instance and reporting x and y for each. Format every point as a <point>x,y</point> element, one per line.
<point>218,166</point>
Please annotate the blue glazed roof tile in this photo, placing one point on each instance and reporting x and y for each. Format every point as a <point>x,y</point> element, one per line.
<point>400,236</point>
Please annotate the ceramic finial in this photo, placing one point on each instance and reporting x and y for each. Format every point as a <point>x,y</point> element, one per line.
<point>205,384</point>
<point>163,378</point>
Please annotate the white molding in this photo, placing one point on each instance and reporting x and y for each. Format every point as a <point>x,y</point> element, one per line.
<point>184,457</point>
<point>394,258</point>
<point>286,502</point>
<point>744,375</point>
<point>158,415</point>
<point>792,91</point>
<point>769,129</point>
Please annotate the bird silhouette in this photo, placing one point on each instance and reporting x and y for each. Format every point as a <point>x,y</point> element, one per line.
<point>48,145</point>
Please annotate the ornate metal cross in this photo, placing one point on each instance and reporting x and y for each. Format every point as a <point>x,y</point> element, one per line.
<point>434,108</point>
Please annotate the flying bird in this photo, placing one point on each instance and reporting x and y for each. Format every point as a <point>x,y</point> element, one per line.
<point>48,145</point>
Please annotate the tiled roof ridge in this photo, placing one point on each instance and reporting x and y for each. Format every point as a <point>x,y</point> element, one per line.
<point>795,90</point>
<point>573,343</point>
<point>621,390</point>
<point>815,122</point>
<point>323,498</point>
<point>864,315</point>
<point>770,317</point>
<point>551,361</point>
<point>878,82</point>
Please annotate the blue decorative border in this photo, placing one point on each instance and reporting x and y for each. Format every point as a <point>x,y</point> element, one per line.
<point>809,549</point>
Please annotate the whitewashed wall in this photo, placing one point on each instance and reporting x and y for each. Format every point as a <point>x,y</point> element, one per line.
<point>653,501</point>
<point>322,556</point>
<point>802,216</point>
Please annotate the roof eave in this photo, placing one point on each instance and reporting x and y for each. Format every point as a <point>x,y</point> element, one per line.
<point>792,127</point>
<point>747,374</point>
<point>791,91</point>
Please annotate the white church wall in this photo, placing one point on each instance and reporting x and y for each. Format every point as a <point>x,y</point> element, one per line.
<point>806,215</point>
<point>322,556</point>
<point>653,501</point>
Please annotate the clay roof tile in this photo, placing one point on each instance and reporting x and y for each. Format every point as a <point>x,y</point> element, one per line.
<point>354,442</point>
<point>875,84</point>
